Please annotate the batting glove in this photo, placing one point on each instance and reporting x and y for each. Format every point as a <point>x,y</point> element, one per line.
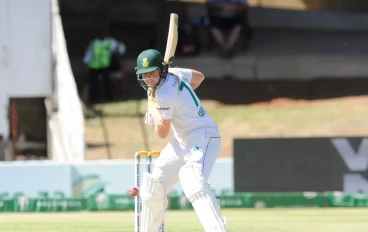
<point>148,119</point>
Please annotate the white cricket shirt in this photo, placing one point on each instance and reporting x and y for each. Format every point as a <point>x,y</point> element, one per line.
<point>178,101</point>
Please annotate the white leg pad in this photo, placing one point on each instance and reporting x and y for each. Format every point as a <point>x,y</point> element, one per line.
<point>153,204</point>
<point>204,202</point>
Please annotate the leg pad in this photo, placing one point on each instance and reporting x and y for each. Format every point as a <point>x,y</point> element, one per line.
<point>153,204</point>
<point>204,202</point>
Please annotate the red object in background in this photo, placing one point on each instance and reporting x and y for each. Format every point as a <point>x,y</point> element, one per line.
<point>133,192</point>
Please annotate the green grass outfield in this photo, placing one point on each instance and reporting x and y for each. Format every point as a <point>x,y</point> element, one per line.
<point>242,220</point>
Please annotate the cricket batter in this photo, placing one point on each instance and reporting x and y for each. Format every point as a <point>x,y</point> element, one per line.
<point>191,153</point>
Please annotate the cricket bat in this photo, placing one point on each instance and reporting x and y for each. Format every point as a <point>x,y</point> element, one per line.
<point>172,39</point>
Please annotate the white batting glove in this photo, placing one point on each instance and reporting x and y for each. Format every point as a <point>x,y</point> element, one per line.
<point>148,119</point>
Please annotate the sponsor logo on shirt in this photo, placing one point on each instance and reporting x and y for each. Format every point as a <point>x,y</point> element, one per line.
<point>175,83</point>
<point>163,108</point>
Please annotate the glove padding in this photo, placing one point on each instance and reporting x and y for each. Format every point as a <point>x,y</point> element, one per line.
<point>148,119</point>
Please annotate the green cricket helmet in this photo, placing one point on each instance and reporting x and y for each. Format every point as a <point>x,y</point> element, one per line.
<point>148,61</point>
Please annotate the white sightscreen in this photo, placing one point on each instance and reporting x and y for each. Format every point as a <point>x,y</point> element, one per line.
<point>29,57</point>
<point>4,128</point>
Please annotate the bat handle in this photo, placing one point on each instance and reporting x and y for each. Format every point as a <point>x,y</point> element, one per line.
<point>165,67</point>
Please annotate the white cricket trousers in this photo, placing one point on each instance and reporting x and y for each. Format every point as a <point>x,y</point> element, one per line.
<point>201,146</point>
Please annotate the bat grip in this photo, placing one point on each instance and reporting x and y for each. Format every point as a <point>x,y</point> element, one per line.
<point>165,68</point>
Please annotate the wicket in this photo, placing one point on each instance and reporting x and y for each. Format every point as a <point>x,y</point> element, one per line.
<point>137,201</point>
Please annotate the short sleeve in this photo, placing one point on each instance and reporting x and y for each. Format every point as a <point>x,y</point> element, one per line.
<point>121,48</point>
<point>88,55</point>
<point>165,106</point>
<point>182,72</point>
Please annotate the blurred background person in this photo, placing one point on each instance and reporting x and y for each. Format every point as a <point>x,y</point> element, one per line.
<point>103,59</point>
<point>229,15</point>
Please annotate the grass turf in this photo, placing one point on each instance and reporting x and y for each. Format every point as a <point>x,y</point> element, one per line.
<point>239,220</point>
